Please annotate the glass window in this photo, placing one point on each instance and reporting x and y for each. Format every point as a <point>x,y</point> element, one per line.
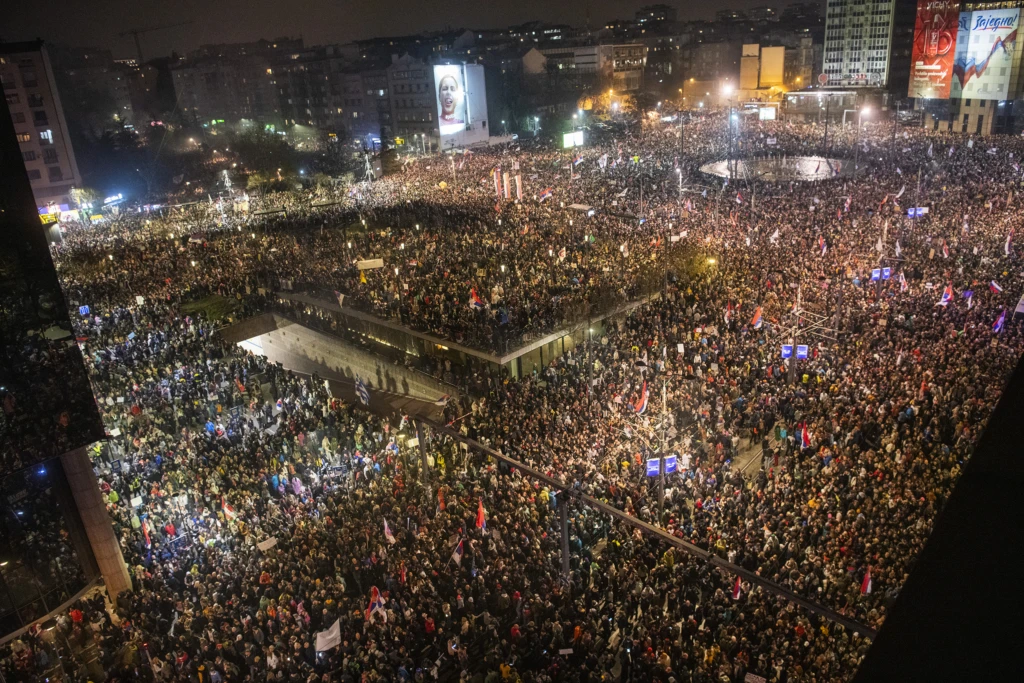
<point>46,136</point>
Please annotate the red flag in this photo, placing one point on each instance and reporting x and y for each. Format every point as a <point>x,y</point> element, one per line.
<point>736,589</point>
<point>481,518</point>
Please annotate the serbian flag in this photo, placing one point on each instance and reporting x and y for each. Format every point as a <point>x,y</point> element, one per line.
<point>903,283</point>
<point>145,532</point>
<point>945,249</point>
<point>376,605</point>
<point>805,436</point>
<point>728,313</point>
<point>865,585</point>
<point>457,554</point>
<point>822,245</point>
<point>994,286</point>
<point>388,535</point>
<point>474,301</point>
<point>756,321</point>
<point>481,516</point>
<point>997,326</point>
<point>229,512</point>
<point>736,589</point>
<point>545,194</point>
<point>739,197</point>
<point>641,404</point>
<point>280,404</point>
<point>578,160</point>
<point>947,296</point>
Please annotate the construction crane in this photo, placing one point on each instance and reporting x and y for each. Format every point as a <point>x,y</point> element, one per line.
<point>136,32</point>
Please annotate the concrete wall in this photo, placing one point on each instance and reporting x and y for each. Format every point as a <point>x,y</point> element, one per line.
<point>304,350</point>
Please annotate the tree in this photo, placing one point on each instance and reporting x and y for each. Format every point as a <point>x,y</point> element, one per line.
<point>262,151</point>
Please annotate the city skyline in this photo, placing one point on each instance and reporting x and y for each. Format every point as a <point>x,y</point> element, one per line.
<point>98,23</point>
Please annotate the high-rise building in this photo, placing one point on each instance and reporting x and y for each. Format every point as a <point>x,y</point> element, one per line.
<point>26,78</point>
<point>867,42</point>
<point>56,538</point>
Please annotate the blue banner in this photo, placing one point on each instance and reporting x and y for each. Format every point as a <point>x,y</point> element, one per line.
<point>787,350</point>
<point>801,351</point>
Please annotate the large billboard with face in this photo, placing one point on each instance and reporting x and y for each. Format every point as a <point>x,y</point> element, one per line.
<point>450,81</point>
<point>984,73</point>
<point>931,69</point>
<point>461,104</point>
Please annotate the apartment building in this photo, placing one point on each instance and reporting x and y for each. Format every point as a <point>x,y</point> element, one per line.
<point>27,80</point>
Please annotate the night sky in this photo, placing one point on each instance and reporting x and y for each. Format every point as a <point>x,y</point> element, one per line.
<point>96,23</point>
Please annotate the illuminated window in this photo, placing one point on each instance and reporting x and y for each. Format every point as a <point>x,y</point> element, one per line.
<point>24,137</point>
<point>46,136</point>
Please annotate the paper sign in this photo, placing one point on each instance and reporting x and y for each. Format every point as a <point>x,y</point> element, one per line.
<point>267,544</point>
<point>413,442</point>
<point>140,299</point>
<point>370,264</point>
<point>136,501</point>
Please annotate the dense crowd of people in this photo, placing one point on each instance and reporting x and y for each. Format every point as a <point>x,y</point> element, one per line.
<point>267,511</point>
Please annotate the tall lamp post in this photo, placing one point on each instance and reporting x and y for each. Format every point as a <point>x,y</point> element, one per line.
<point>861,113</point>
<point>726,93</point>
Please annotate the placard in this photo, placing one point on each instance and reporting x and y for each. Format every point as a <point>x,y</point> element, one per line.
<point>370,264</point>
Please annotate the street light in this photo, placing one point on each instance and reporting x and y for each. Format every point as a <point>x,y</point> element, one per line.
<point>864,111</point>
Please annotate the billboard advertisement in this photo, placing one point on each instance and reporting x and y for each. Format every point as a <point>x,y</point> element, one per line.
<point>461,104</point>
<point>963,36</point>
<point>450,81</point>
<point>935,35</point>
<point>985,72</point>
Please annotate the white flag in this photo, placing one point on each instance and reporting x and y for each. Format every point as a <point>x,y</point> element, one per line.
<point>898,249</point>
<point>775,236</point>
<point>325,640</point>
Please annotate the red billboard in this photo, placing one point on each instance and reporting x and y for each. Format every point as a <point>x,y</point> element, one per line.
<point>931,69</point>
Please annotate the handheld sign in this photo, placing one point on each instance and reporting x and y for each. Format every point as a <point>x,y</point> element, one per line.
<point>801,351</point>
<point>787,350</point>
<point>83,310</point>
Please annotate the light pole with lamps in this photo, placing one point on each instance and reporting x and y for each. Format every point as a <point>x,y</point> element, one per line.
<point>865,110</point>
<point>726,93</point>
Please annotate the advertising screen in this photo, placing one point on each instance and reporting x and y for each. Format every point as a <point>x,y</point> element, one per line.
<point>985,74</point>
<point>574,139</point>
<point>963,36</point>
<point>935,34</point>
<point>450,82</point>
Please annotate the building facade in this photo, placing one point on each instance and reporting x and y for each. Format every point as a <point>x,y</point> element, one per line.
<point>412,99</point>
<point>27,80</point>
<point>867,42</point>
